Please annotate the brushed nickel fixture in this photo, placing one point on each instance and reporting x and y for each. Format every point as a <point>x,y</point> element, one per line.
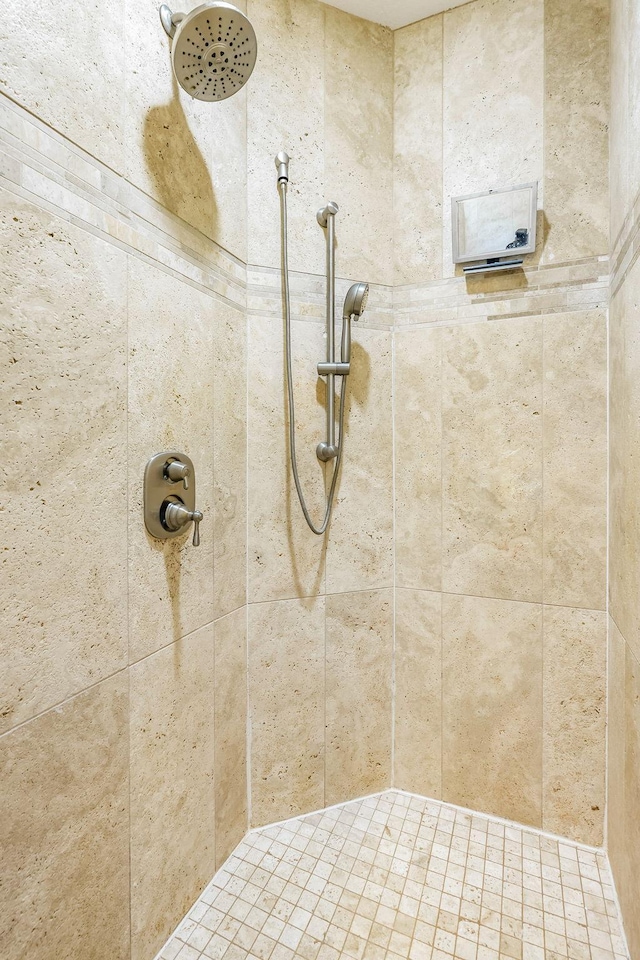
<point>170,497</point>
<point>493,225</point>
<point>213,50</point>
<point>354,306</point>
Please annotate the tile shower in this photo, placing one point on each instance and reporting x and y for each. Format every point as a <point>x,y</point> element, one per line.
<point>452,637</point>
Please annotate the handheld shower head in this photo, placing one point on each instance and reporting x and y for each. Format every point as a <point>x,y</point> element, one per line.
<point>354,306</point>
<point>214,49</point>
<point>356,300</point>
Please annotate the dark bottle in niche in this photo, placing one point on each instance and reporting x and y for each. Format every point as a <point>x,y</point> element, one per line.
<point>521,240</point>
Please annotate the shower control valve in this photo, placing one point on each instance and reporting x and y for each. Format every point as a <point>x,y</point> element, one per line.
<point>170,496</point>
<point>176,471</point>
<point>176,516</point>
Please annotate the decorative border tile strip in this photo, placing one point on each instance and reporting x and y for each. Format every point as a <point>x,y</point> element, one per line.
<point>308,296</point>
<point>626,248</point>
<point>40,165</point>
<point>534,291</point>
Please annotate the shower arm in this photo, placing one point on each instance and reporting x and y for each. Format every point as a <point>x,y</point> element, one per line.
<point>330,369</point>
<point>170,20</point>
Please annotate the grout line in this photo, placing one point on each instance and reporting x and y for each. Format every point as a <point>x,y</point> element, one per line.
<point>171,643</point>
<point>440,266</point>
<point>607,571</point>
<point>394,688</point>
<point>248,725</point>
<point>514,824</point>
<point>313,813</point>
<point>441,501</point>
<point>542,568</point>
<point>319,596</point>
<point>128,668</point>
<point>214,574</point>
<point>62,703</point>
<point>477,596</point>
<point>621,915</point>
<point>247,338</point>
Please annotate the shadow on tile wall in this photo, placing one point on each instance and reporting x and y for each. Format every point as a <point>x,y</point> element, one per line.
<point>177,167</point>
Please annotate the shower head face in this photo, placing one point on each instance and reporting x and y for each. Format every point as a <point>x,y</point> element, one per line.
<point>214,51</point>
<point>356,300</point>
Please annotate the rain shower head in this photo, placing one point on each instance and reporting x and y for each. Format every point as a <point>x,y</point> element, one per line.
<point>214,49</point>
<point>356,300</point>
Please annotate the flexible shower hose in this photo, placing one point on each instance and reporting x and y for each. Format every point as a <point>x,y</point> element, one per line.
<point>319,531</point>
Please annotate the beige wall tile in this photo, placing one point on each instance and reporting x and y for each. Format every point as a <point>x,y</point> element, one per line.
<point>492,459</point>
<point>229,460</point>
<point>617,847</point>
<point>285,111</point>
<point>418,456</point>
<point>64,428</point>
<point>575,459</point>
<point>619,140</point>
<point>358,677</point>
<point>492,706</point>
<point>623,839</point>
<point>417,173</point>
<point>624,578</point>
<point>633,34</point>
<point>418,693</point>
<point>67,64</point>
<point>64,830</point>
<point>188,155</point>
<point>285,558</point>
<point>229,168</point>
<point>624,529</point>
<point>574,714</point>
<point>630,892</point>
<point>172,787</point>
<point>286,702</point>
<point>170,408</point>
<point>493,100</point>
<point>230,635</point>
<point>360,545</point>
<point>576,131</point>
<point>358,143</point>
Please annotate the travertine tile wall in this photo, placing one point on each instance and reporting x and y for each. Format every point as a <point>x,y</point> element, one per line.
<point>624,578</point>
<point>528,77</point>
<point>500,418</point>
<point>126,687</point>
<point>319,608</point>
<point>134,324</point>
<point>115,695</point>
<point>124,693</point>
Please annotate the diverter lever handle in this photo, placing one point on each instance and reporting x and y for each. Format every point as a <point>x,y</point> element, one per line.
<point>177,471</point>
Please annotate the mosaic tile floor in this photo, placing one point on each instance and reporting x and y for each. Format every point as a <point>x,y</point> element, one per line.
<point>400,877</point>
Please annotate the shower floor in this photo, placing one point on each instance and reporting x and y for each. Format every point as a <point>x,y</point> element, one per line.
<point>398,876</point>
